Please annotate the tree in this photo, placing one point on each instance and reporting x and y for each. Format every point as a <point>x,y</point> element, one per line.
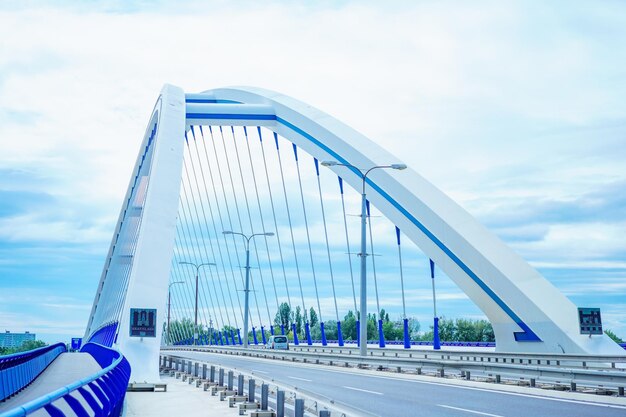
<point>348,327</point>
<point>613,336</point>
<point>298,320</point>
<point>313,317</point>
<point>24,347</point>
<point>283,316</point>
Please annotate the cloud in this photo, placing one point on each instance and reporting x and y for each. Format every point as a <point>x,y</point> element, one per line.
<point>514,110</point>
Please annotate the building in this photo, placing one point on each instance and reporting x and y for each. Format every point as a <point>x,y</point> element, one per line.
<point>11,340</point>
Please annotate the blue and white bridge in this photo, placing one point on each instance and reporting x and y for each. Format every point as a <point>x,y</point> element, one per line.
<point>242,201</point>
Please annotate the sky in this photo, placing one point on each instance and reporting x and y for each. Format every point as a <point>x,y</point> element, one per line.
<point>514,109</point>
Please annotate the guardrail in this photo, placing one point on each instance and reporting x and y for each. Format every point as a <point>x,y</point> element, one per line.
<point>20,369</point>
<point>555,371</point>
<point>101,394</point>
<point>230,383</point>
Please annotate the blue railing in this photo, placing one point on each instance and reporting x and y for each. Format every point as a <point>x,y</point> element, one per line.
<point>103,393</point>
<point>20,369</point>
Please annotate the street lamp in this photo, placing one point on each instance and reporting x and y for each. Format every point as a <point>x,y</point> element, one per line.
<point>197,266</point>
<point>363,254</point>
<point>169,303</point>
<point>247,289</point>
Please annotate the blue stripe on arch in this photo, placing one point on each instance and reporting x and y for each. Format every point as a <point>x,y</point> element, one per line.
<point>526,336</point>
<point>230,116</point>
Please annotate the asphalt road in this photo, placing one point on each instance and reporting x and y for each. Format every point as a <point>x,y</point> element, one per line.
<point>393,396</point>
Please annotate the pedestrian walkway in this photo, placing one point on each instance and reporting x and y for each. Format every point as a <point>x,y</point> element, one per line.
<point>180,399</point>
<point>67,368</point>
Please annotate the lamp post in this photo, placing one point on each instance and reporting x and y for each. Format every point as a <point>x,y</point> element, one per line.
<point>169,303</point>
<point>197,266</point>
<point>247,289</point>
<point>363,313</point>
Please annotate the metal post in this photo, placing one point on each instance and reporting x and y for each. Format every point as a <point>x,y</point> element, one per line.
<point>230,380</point>
<point>240,384</point>
<point>169,303</point>
<point>204,371</point>
<point>221,377</point>
<point>324,413</point>
<point>195,327</point>
<point>299,408</point>
<point>251,387</point>
<point>265,389</point>
<point>363,312</point>
<point>280,403</point>
<point>212,374</point>
<point>247,296</point>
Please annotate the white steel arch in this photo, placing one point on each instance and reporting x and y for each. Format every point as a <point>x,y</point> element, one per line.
<point>527,312</point>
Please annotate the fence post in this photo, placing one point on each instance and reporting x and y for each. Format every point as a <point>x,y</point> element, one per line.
<point>251,387</point>
<point>240,384</point>
<point>265,389</point>
<point>299,408</point>
<point>280,403</point>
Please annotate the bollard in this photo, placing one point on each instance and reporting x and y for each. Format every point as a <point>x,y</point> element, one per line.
<point>221,377</point>
<point>196,366</point>
<point>419,371</point>
<point>467,375</point>
<point>324,413</point>
<point>251,387</point>
<point>230,380</point>
<point>620,391</point>
<point>299,408</point>
<point>170,358</point>
<point>265,390</point>
<point>204,371</point>
<point>532,382</point>
<point>441,373</point>
<point>212,374</point>
<point>497,379</point>
<point>572,386</point>
<point>280,403</point>
<point>240,385</point>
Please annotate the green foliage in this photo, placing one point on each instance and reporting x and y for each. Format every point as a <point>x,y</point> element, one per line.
<point>24,347</point>
<point>462,330</point>
<point>313,318</point>
<point>613,336</point>
<point>283,316</point>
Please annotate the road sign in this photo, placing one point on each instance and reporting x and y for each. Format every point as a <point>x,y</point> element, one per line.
<point>76,342</point>
<point>143,322</point>
<point>590,320</point>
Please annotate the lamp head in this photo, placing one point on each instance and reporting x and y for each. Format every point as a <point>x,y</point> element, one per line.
<point>227,232</point>
<point>399,167</point>
<point>269,234</point>
<point>329,163</point>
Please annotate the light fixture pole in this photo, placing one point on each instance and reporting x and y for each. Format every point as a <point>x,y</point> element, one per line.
<point>247,289</point>
<point>195,327</point>
<point>363,313</point>
<point>169,303</point>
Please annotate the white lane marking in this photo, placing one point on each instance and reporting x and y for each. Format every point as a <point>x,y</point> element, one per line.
<point>492,391</point>
<point>363,390</point>
<point>300,379</point>
<point>261,372</point>
<point>469,411</point>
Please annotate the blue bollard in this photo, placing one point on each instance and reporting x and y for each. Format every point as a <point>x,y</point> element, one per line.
<point>381,335</point>
<point>324,342</point>
<point>256,342</point>
<point>282,329</point>
<point>407,337</point>
<point>272,330</point>
<point>358,333</point>
<point>295,334</point>
<point>307,330</point>
<point>263,334</point>
<point>239,337</point>
<point>436,342</point>
<point>232,337</point>
<point>339,335</point>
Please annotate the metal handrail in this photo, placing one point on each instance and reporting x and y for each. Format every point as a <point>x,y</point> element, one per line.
<point>20,369</point>
<point>109,391</point>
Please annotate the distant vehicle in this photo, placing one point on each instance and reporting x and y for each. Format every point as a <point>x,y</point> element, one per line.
<point>277,342</point>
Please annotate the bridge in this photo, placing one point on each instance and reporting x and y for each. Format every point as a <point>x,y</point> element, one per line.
<point>251,215</point>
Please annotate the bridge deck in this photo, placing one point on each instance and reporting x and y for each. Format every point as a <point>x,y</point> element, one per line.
<point>67,368</point>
